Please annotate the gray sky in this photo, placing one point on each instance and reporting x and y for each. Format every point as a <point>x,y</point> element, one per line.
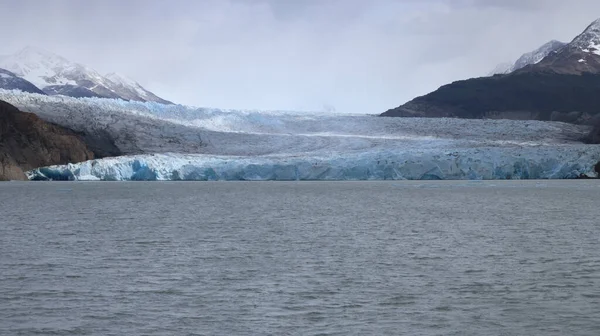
<point>360,56</point>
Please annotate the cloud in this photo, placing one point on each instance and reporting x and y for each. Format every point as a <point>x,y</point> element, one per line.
<point>353,55</point>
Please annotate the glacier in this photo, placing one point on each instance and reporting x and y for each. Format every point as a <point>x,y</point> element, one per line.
<point>175,142</point>
<point>472,164</point>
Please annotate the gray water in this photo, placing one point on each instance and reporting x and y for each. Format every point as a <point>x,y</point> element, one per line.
<point>343,258</point>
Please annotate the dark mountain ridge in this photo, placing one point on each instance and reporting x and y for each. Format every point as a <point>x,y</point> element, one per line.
<point>563,86</point>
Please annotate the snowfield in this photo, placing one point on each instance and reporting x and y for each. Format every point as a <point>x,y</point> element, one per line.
<point>174,142</point>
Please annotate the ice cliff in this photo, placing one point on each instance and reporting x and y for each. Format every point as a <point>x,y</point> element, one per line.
<point>481,163</point>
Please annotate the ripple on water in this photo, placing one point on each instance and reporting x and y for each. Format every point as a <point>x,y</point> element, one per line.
<point>508,258</point>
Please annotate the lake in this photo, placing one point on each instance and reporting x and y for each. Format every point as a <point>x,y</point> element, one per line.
<point>300,258</point>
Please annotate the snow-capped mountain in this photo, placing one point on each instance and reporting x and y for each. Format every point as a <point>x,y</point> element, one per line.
<point>10,81</point>
<point>57,75</point>
<point>563,86</point>
<point>589,40</point>
<point>580,56</point>
<point>526,59</point>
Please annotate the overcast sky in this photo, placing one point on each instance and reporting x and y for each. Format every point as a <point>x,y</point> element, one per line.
<point>359,56</point>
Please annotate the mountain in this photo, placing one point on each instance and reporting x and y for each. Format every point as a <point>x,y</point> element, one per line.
<point>581,56</point>
<point>57,75</point>
<point>526,59</point>
<point>27,142</point>
<point>10,81</point>
<point>563,86</point>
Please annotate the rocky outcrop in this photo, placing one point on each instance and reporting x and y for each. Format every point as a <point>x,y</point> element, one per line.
<point>9,169</point>
<point>27,142</point>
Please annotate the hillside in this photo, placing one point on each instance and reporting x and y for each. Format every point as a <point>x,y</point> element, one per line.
<point>563,86</point>
<point>523,95</point>
<point>27,142</point>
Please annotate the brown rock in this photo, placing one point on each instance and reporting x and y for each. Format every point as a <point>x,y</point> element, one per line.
<point>9,169</point>
<point>27,142</point>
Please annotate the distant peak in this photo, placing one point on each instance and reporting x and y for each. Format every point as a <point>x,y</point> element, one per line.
<point>589,40</point>
<point>594,26</point>
<point>35,53</point>
<point>58,75</point>
<point>529,58</point>
<point>593,30</point>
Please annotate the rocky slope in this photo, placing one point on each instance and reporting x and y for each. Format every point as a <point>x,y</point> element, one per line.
<point>27,142</point>
<point>563,86</point>
<point>54,75</point>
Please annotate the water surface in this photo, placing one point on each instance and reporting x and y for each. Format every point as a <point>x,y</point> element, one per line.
<point>300,258</point>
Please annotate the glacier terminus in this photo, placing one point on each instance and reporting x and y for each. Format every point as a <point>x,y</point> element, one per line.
<point>175,142</point>
<point>472,164</point>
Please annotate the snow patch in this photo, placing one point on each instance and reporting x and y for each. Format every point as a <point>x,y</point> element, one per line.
<point>594,47</point>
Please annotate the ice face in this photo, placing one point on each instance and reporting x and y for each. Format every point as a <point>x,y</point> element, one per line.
<point>182,143</point>
<point>478,164</point>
